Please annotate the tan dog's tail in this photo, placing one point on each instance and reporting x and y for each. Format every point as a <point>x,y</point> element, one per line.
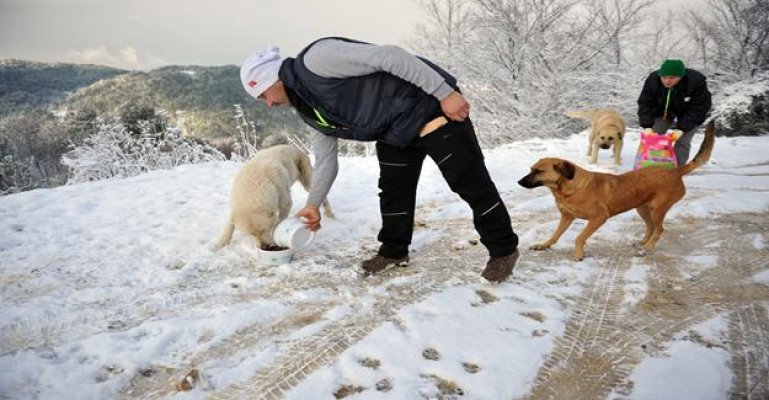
<point>224,240</point>
<point>703,155</point>
<point>580,114</point>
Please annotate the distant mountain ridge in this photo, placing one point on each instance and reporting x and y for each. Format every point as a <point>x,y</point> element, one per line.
<point>46,110</point>
<point>28,84</point>
<point>200,99</point>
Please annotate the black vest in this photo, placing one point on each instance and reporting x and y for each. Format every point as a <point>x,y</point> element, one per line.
<point>377,106</point>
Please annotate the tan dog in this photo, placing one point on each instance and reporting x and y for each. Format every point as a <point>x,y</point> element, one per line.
<point>261,192</point>
<point>607,128</point>
<point>596,197</point>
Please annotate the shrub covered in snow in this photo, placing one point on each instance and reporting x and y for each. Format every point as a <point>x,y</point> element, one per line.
<point>14,175</point>
<point>743,107</point>
<point>114,152</point>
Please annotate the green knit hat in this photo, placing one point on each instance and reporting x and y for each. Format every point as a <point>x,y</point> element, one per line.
<point>672,68</point>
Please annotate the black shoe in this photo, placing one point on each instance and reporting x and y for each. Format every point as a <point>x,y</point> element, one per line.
<point>379,263</point>
<point>499,268</point>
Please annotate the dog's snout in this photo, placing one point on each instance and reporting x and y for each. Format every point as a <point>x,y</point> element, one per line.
<point>529,182</point>
<point>605,146</point>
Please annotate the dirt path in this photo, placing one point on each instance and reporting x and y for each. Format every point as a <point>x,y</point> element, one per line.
<point>602,344</point>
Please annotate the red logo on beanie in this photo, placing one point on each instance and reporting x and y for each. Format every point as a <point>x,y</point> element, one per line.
<point>252,83</point>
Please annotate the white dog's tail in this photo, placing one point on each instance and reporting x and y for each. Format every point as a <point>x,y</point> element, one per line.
<point>305,177</point>
<point>305,170</point>
<point>327,209</point>
<point>224,240</point>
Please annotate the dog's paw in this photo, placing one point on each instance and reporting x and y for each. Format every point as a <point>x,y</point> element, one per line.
<point>641,252</point>
<point>578,257</point>
<point>539,247</point>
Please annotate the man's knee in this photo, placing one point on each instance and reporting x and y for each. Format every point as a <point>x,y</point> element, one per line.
<point>399,173</point>
<point>682,153</point>
<point>471,178</point>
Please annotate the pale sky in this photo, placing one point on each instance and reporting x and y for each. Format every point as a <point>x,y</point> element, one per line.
<point>144,34</point>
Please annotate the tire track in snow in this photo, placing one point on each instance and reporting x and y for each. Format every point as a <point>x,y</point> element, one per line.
<point>436,269</point>
<point>677,300</point>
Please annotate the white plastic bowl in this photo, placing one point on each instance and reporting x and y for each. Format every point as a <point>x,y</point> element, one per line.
<point>275,258</point>
<point>293,233</point>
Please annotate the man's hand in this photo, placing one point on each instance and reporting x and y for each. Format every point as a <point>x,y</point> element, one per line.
<point>455,106</point>
<point>311,217</point>
<point>676,133</point>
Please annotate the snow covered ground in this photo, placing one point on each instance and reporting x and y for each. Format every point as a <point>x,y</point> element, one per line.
<point>113,289</point>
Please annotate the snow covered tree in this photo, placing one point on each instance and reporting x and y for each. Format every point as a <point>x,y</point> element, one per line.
<point>523,63</point>
<point>32,142</point>
<point>733,35</point>
<point>14,174</point>
<point>247,142</point>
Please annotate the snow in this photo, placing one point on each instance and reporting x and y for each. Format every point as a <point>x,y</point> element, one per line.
<point>106,280</point>
<point>687,371</point>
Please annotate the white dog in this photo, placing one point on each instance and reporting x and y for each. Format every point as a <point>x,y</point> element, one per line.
<point>607,128</point>
<point>261,193</point>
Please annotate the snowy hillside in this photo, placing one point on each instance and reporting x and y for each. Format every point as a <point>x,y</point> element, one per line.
<point>113,289</point>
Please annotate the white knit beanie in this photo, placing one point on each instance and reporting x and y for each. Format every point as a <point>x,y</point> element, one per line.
<point>260,71</point>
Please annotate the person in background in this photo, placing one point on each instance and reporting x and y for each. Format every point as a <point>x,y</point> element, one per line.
<point>675,97</point>
<point>411,108</point>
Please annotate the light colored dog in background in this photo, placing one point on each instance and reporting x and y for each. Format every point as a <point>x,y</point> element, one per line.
<point>596,196</point>
<point>607,128</point>
<point>261,193</point>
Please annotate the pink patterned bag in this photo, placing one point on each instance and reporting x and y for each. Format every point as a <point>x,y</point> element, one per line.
<point>656,150</point>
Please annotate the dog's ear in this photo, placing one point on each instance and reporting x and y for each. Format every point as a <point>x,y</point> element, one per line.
<point>566,169</point>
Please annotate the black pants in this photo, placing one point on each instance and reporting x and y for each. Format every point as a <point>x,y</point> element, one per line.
<point>454,148</point>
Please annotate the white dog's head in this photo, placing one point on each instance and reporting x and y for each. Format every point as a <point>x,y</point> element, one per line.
<point>262,223</point>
